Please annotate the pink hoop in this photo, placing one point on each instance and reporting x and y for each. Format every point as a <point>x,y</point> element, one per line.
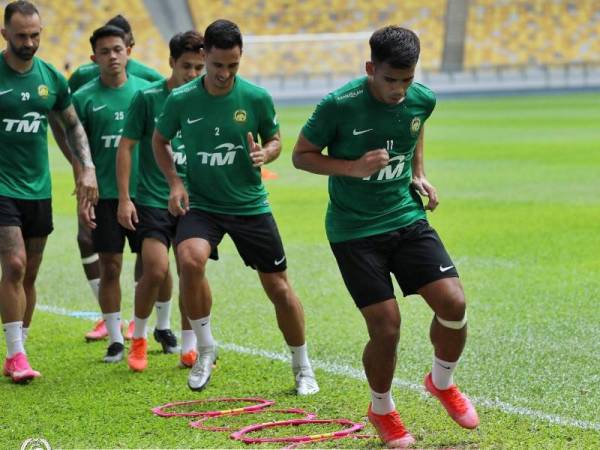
<point>262,403</point>
<point>352,427</point>
<point>200,424</point>
<point>350,436</point>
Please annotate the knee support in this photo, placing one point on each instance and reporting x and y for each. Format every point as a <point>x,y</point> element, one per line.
<point>90,259</point>
<point>452,324</point>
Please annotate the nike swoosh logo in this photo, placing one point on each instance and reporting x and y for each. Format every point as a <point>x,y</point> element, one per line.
<point>356,132</point>
<point>98,108</point>
<point>6,92</point>
<point>203,324</point>
<point>445,269</point>
<point>191,121</point>
<point>279,261</point>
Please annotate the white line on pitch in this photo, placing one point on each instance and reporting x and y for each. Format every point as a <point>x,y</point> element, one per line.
<point>358,374</point>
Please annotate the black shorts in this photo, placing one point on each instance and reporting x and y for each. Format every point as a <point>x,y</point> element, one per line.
<point>414,254</point>
<point>159,224</point>
<point>34,217</point>
<point>256,237</point>
<point>156,223</point>
<point>109,236</point>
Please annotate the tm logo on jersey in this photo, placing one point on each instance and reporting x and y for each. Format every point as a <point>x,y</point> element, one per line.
<point>226,158</point>
<point>393,169</point>
<point>111,140</point>
<point>30,123</point>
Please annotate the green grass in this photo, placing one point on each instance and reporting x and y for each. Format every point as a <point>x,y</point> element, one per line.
<point>519,213</point>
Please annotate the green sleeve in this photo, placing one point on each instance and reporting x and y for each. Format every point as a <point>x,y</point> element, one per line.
<point>321,126</point>
<point>135,118</point>
<point>76,80</point>
<point>432,102</point>
<point>168,121</point>
<point>153,75</point>
<point>268,125</point>
<point>63,97</point>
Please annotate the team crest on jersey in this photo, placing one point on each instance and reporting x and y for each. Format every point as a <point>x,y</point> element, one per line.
<point>239,115</point>
<point>43,91</point>
<point>415,126</point>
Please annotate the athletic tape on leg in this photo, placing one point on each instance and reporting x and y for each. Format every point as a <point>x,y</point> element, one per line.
<point>90,259</point>
<point>452,324</point>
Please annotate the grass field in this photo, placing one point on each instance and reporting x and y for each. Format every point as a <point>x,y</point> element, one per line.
<point>519,180</point>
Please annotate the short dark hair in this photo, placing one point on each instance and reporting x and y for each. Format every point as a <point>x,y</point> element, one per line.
<point>106,31</point>
<point>190,41</point>
<point>20,6</point>
<point>222,34</point>
<point>397,46</point>
<point>121,22</point>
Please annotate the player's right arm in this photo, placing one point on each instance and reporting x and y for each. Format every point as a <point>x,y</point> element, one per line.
<point>76,113</point>
<point>166,128</point>
<point>63,145</point>
<point>308,156</point>
<point>179,202</point>
<point>133,130</point>
<point>318,133</point>
<point>126,212</point>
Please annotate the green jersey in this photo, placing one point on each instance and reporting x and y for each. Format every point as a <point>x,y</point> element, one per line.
<point>220,174</point>
<point>87,72</point>
<point>153,189</point>
<point>26,99</point>
<point>351,122</point>
<point>101,110</point>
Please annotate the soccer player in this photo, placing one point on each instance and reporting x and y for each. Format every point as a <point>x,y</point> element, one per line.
<point>220,116</point>
<point>89,256</point>
<point>150,215</point>
<point>373,130</point>
<point>101,105</point>
<point>87,72</point>
<point>31,90</point>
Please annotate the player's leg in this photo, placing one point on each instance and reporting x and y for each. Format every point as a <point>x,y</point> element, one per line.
<point>423,266</point>
<point>197,234</point>
<point>365,270</point>
<point>91,268</point>
<point>290,319</point>
<point>109,240</point>
<point>13,262</point>
<point>195,292</point>
<point>448,333</point>
<point>259,244</point>
<point>138,270</point>
<point>189,344</point>
<point>156,264</point>
<point>34,248</point>
<point>110,303</point>
<point>162,331</point>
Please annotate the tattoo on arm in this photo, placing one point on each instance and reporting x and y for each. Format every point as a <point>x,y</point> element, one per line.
<point>76,136</point>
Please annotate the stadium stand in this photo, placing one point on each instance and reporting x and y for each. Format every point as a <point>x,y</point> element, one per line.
<point>307,20</point>
<point>69,24</point>
<point>532,32</point>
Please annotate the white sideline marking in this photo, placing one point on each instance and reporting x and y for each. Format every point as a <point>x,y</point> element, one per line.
<point>358,374</point>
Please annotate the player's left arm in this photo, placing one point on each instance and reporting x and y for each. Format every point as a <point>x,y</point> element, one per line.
<point>86,184</point>
<point>419,180</point>
<point>265,153</point>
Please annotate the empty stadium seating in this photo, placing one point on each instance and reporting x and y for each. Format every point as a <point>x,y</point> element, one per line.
<point>530,32</point>
<point>293,17</point>
<point>69,24</point>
